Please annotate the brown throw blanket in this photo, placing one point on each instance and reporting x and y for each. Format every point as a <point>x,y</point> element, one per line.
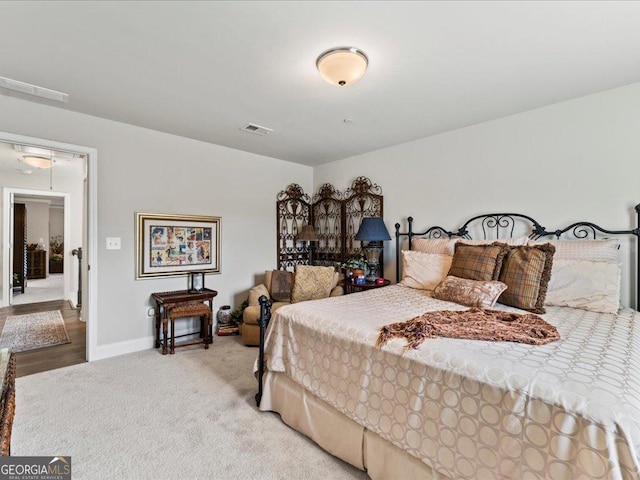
<point>473,324</point>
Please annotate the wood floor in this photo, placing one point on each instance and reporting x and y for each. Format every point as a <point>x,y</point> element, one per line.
<point>43,359</point>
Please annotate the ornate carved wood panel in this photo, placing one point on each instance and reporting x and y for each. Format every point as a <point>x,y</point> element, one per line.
<point>292,212</point>
<point>326,217</point>
<point>335,216</point>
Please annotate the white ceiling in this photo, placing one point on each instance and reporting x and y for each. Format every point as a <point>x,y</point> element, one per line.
<point>205,69</point>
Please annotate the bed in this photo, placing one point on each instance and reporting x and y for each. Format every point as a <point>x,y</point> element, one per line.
<point>458,408</point>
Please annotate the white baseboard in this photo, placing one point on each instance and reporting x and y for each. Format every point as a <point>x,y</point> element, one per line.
<point>121,348</point>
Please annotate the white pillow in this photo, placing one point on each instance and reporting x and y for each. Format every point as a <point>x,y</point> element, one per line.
<point>590,250</point>
<point>441,246</point>
<point>584,284</point>
<point>446,246</point>
<point>424,271</point>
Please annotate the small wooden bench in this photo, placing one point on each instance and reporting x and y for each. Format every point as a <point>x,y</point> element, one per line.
<point>190,310</point>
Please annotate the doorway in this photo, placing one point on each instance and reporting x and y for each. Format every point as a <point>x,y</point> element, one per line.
<point>88,242</point>
<point>40,232</point>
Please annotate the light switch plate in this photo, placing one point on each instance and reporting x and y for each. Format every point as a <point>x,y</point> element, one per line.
<point>113,243</point>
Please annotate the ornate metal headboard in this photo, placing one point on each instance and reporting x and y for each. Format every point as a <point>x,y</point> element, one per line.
<point>503,225</point>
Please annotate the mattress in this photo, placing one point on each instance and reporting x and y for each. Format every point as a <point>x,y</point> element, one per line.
<point>466,408</point>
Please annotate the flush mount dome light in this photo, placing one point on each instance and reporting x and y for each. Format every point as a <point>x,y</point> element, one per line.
<point>38,162</point>
<point>342,66</point>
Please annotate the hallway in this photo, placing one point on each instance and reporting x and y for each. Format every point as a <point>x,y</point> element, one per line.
<point>41,290</point>
<point>35,361</point>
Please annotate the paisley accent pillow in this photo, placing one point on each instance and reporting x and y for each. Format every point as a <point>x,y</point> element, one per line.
<point>472,293</point>
<point>312,283</point>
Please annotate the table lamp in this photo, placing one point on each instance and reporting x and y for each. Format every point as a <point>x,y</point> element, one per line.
<point>308,235</point>
<point>373,231</point>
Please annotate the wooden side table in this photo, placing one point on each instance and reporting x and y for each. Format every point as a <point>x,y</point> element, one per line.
<point>351,287</point>
<point>166,300</point>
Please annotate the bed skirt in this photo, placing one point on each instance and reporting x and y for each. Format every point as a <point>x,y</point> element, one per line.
<point>338,434</point>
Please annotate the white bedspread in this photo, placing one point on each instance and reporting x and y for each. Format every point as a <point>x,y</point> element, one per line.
<point>474,409</point>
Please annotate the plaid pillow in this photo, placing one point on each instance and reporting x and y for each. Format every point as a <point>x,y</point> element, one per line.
<point>478,262</point>
<point>526,272</point>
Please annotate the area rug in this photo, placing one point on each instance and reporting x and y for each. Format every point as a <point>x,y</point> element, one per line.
<point>33,331</point>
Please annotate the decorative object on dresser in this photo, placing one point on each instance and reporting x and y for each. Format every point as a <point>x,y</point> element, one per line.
<point>170,244</point>
<point>56,254</point>
<point>373,231</point>
<point>174,305</point>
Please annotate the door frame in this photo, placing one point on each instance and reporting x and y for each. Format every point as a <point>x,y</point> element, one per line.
<point>7,230</point>
<point>90,300</point>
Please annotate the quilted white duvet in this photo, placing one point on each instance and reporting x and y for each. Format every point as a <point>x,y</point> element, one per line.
<point>473,409</point>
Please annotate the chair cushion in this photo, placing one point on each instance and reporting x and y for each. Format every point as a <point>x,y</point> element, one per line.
<point>312,283</point>
<point>256,292</point>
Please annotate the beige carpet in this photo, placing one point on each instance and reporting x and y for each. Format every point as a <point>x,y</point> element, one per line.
<point>41,290</point>
<point>191,415</point>
<point>34,330</point>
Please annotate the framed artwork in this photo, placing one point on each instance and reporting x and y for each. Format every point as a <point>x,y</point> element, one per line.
<point>170,244</point>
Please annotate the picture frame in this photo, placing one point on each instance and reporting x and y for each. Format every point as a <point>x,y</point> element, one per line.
<point>195,282</point>
<point>171,244</point>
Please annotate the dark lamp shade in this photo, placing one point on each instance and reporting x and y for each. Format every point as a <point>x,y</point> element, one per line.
<point>372,229</point>
<point>307,234</point>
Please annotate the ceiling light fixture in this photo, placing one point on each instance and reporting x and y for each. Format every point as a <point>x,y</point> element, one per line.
<point>342,66</point>
<point>38,162</point>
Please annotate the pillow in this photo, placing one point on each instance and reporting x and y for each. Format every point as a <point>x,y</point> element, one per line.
<point>478,262</point>
<point>593,286</point>
<point>526,271</point>
<point>440,246</point>
<point>312,283</point>
<point>424,271</point>
<point>280,285</point>
<point>446,246</point>
<point>471,293</point>
<point>591,250</point>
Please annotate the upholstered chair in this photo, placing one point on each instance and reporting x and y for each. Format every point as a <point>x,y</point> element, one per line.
<point>283,288</point>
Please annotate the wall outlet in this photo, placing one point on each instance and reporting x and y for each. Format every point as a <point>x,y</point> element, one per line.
<point>151,312</point>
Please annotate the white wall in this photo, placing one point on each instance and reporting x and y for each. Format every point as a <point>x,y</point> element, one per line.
<point>56,222</point>
<point>71,186</point>
<point>38,223</point>
<point>149,171</point>
<point>572,161</point>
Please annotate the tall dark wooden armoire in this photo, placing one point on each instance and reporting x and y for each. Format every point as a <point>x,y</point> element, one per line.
<point>19,247</point>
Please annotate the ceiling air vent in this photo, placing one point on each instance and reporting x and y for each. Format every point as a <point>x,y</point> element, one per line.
<point>29,89</point>
<point>257,129</point>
